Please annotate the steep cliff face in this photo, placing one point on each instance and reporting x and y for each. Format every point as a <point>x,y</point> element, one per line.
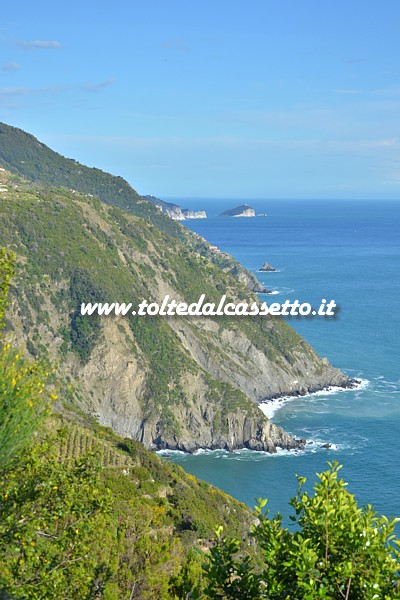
<point>174,211</point>
<point>176,382</point>
<point>194,214</point>
<point>248,279</point>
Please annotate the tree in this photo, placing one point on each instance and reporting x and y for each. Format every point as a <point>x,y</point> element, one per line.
<point>340,551</point>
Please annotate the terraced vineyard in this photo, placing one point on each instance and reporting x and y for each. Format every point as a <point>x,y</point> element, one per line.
<point>79,441</point>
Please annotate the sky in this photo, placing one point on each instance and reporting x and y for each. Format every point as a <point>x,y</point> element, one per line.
<point>217,99</point>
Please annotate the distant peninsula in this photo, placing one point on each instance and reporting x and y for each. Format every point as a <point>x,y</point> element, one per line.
<point>174,211</point>
<point>244,210</point>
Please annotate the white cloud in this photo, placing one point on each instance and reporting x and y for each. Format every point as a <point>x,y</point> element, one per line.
<point>11,66</point>
<point>38,44</point>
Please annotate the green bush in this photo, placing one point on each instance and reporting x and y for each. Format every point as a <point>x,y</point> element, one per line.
<point>22,395</point>
<point>339,551</point>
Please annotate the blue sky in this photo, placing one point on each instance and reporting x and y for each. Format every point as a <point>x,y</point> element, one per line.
<point>255,99</point>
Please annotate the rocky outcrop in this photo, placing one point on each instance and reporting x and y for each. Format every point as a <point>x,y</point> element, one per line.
<point>244,210</point>
<point>193,214</point>
<point>174,211</point>
<point>249,280</point>
<point>267,268</point>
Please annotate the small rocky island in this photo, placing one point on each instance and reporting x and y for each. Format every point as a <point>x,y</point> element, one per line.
<point>174,211</point>
<point>267,268</point>
<point>244,210</point>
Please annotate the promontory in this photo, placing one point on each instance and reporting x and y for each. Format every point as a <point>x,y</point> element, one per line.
<point>81,235</point>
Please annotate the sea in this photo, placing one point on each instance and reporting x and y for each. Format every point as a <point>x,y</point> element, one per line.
<point>348,251</point>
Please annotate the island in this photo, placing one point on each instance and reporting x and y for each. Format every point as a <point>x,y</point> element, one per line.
<point>244,210</point>
<point>174,211</point>
<point>268,268</point>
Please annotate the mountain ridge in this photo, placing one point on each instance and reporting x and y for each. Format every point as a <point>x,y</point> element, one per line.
<point>170,383</point>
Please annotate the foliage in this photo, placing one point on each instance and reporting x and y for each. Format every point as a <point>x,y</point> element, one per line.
<point>23,402</point>
<point>339,551</point>
<point>84,331</point>
<point>7,262</point>
<point>51,518</point>
<point>228,577</point>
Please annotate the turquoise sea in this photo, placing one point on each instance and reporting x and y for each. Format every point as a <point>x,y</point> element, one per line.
<point>348,251</point>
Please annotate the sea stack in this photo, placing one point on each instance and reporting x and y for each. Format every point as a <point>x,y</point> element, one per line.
<point>268,268</point>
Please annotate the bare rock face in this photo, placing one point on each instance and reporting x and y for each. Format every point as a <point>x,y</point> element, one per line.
<point>194,214</point>
<point>244,210</point>
<point>249,280</point>
<point>267,268</point>
<point>174,211</point>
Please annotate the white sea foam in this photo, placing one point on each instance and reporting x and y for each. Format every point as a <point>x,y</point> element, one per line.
<point>208,451</point>
<point>245,455</point>
<point>271,407</point>
<point>167,452</point>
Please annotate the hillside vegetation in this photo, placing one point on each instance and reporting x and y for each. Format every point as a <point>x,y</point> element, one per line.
<point>176,382</point>
<point>86,511</point>
<point>81,235</point>
<point>86,514</point>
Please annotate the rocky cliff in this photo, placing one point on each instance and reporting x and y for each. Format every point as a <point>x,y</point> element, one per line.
<point>174,211</point>
<point>170,382</point>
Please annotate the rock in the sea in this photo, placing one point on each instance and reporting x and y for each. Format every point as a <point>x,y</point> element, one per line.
<point>244,210</point>
<point>268,268</point>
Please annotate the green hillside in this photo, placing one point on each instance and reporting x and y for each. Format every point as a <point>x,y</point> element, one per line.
<point>82,235</point>
<point>24,155</point>
<point>72,248</point>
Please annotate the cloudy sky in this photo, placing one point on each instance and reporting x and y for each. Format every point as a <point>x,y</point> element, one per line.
<point>233,99</point>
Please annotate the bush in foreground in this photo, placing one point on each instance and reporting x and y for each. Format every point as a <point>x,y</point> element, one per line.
<point>338,551</point>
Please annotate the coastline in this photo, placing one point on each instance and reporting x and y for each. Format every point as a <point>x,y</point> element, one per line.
<point>272,404</point>
<point>269,407</point>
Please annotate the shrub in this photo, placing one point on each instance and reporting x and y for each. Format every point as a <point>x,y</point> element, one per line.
<point>338,551</point>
